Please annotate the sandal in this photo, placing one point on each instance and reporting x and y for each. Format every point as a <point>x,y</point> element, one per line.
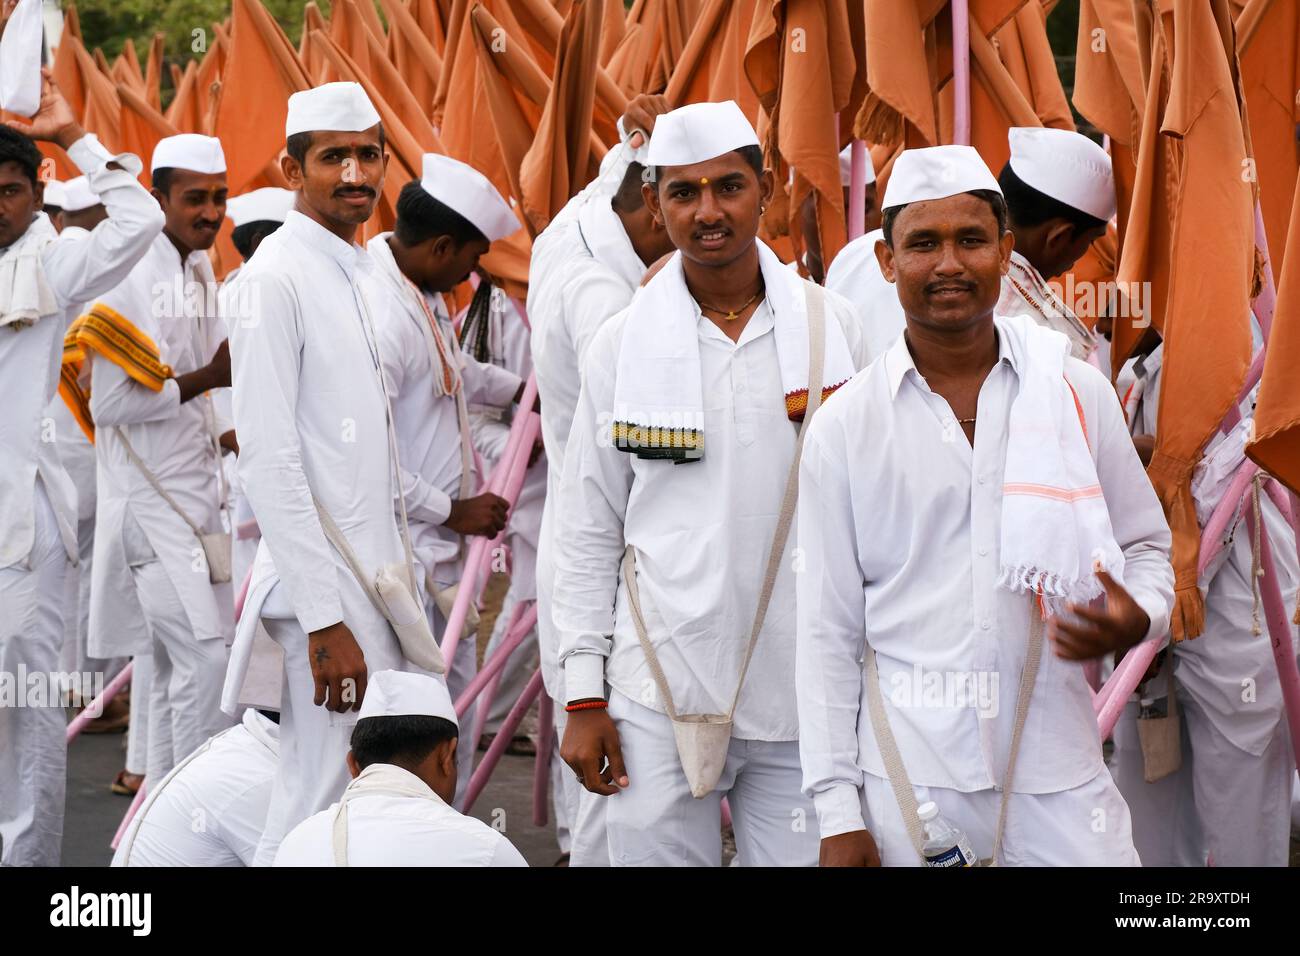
<point>126,784</point>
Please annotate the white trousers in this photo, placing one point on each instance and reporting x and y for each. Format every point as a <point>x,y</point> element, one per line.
<point>137,733</point>
<point>1243,801</point>
<point>579,813</point>
<point>656,821</point>
<point>1088,825</point>
<point>1166,827</point>
<point>518,670</point>
<point>33,752</point>
<point>314,744</point>
<point>185,696</point>
<point>76,625</point>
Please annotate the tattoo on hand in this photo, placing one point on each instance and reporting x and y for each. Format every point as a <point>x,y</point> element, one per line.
<point>322,655</point>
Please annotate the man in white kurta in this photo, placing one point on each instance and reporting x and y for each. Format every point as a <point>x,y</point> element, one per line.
<point>586,266</point>
<point>445,222</point>
<point>210,810</point>
<point>905,498</point>
<point>310,406</point>
<point>1228,803</point>
<point>701,528</point>
<point>158,426</point>
<point>1060,193</point>
<point>43,281</point>
<point>397,809</point>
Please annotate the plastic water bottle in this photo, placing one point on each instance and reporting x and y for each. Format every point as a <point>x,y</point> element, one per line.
<point>945,843</point>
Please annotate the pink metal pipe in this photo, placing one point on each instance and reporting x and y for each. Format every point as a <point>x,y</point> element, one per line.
<point>1281,500</point>
<point>490,667</point>
<point>96,707</point>
<point>960,73</point>
<point>484,770</point>
<point>1110,700</point>
<point>248,530</point>
<point>242,596</point>
<point>130,814</point>
<point>1266,301</point>
<point>485,704</point>
<point>1279,632</point>
<point>479,547</point>
<point>542,765</point>
<point>857,220</point>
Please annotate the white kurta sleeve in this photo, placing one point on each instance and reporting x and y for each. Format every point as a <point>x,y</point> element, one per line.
<point>81,271</point>
<point>265,362</point>
<point>400,353</point>
<point>1136,517</point>
<point>117,399</point>
<point>589,533</point>
<point>831,633</point>
<point>487,384</point>
<point>851,322</point>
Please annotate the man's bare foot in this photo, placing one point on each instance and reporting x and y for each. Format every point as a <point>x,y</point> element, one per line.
<point>126,784</point>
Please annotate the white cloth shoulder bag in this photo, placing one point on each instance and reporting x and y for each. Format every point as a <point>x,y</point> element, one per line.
<point>702,739</point>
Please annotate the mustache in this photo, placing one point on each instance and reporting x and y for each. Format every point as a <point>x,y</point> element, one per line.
<point>206,224</point>
<point>718,227</point>
<point>352,190</point>
<point>963,284</point>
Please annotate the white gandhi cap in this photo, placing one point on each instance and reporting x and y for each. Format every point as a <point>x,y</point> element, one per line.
<point>936,172</point>
<point>77,195</point>
<point>699,132</point>
<point>340,107</point>
<point>464,189</point>
<point>846,167</point>
<point>192,151</point>
<point>1065,165</point>
<point>269,203</point>
<point>403,694</point>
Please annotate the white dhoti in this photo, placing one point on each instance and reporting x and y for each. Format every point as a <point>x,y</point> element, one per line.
<point>138,756</point>
<point>656,821</point>
<point>1242,800</point>
<point>33,752</point>
<point>314,744</point>
<point>188,673</point>
<point>579,813</point>
<point>1087,825</point>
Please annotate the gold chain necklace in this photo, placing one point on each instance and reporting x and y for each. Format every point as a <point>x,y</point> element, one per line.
<point>730,315</point>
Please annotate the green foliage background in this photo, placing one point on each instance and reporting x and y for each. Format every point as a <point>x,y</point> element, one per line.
<point>108,23</point>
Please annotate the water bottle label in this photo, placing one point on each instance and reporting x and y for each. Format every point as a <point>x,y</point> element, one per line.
<point>950,857</point>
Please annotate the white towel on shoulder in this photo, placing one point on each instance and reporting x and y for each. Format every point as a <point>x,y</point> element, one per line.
<point>1056,530</point>
<point>25,293</point>
<point>658,390</point>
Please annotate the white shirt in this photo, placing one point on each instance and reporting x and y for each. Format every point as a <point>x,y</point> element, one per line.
<point>428,427</point>
<point>583,272</point>
<point>702,533</point>
<point>77,268</point>
<point>211,809</point>
<point>310,414</point>
<point>395,819</point>
<point>899,521</point>
<point>855,274</point>
<point>171,302</point>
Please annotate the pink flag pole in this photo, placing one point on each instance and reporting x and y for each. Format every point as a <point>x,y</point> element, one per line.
<point>857,189</point>
<point>497,661</point>
<point>130,814</point>
<point>485,703</point>
<point>525,422</point>
<point>542,765</point>
<point>242,596</point>
<point>96,707</point>
<point>484,770</point>
<point>1279,632</point>
<point>1114,695</point>
<point>961,72</point>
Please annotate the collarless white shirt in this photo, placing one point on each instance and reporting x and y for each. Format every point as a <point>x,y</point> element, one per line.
<point>395,819</point>
<point>899,521</point>
<point>211,809</point>
<point>702,533</point>
<point>77,268</point>
<point>428,427</point>
<point>311,417</point>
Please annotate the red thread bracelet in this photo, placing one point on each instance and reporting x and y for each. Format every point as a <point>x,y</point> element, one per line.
<point>587,705</point>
